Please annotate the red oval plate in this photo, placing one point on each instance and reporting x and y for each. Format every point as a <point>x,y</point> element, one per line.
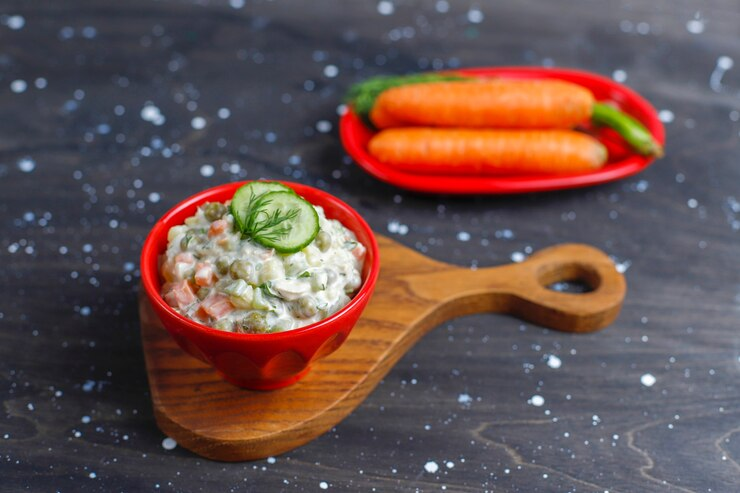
<point>622,162</point>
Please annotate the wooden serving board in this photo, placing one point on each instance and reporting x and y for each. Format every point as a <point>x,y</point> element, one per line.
<point>217,420</point>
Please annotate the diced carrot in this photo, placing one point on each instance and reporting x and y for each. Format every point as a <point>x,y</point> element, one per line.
<point>179,294</point>
<point>217,227</point>
<point>217,305</point>
<point>204,274</point>
<point>185,257</point>
<point>358,252</point>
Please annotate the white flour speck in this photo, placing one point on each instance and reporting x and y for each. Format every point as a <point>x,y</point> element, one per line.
<point>431,467</point>
<point>224,113</point>
<point>207,170</point>
<point>475,16</point>
<point>518,257</point>
<point>26,164</point>
<point>463,236</point>
<point>89,32</point>
<point>536,400</point>
<point>198,123</point>
<point>449,464</point>
<point>169,443</point>
<point>464,399</point>
<point>30,406</point>
<point>619,75</point>
<point>385,7</point>
<point>154,197</point>
<point>92,475</point>
<point>152,114</point>
<point>271,460</point>
<point>554,362</point>
<point>324,485</point>
<point>18,86</point>
<point>398,228</point>
<point>621,267</point>
<point>641,186</point>
<point>15,22</point>
<point>331,71</point>
<point>442,6</point>
<point>323,126</point>
<point>666,116</point>
<point>724,63</point>
<point>236,4</point>
<point>648,380</point>
<point>695,26</point>
<point>692,203</point>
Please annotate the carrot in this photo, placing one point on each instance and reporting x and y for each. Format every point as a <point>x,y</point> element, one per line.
<point>496,103</point>
<point>381,119</point>
<point>487,152</point>
<point>457,100</point>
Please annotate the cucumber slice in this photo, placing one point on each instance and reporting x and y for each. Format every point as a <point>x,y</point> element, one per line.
<point>245,197</point>
<point>283,221</point>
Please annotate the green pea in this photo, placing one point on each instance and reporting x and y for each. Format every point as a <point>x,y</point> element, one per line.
<point>214,211</point>
<point>304,308</point>
<point>254,323</point>
<point>193,238</point>
<point>222,265</point>
<point>202,293</point>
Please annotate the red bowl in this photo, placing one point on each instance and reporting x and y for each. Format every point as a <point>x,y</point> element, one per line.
<point>259,361</point>
<point>622,161</point>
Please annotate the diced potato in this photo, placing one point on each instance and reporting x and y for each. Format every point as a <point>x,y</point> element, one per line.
<point>319,280</point>
<point>295,264</point>
<point>283,323</point>
<point>313,256</point>
<point>271,269</point>
<point>323,241</point>
<point>241,294</point>
<point>260,302</point>
<point>174,232</point>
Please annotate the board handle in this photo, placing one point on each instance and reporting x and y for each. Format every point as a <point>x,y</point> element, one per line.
<point>521,289</point>
<point>532,298</point>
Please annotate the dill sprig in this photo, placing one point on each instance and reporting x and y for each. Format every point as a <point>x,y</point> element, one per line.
<point>264,226</point>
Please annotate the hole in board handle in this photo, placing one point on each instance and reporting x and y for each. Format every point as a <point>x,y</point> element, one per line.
<point>573,278</point>
<point>575,286</point>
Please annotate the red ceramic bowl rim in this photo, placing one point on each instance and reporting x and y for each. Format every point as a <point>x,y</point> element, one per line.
<point>510,184</point>
<point>150,277</point>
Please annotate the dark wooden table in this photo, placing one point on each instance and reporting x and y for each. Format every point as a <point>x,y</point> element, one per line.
<point>114,111</point>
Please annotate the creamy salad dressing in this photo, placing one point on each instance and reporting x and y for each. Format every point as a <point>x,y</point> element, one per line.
<point>216,277</point>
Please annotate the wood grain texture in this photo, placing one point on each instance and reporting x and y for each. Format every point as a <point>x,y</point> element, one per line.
<point>71,233</point>
<point>217,420</point>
